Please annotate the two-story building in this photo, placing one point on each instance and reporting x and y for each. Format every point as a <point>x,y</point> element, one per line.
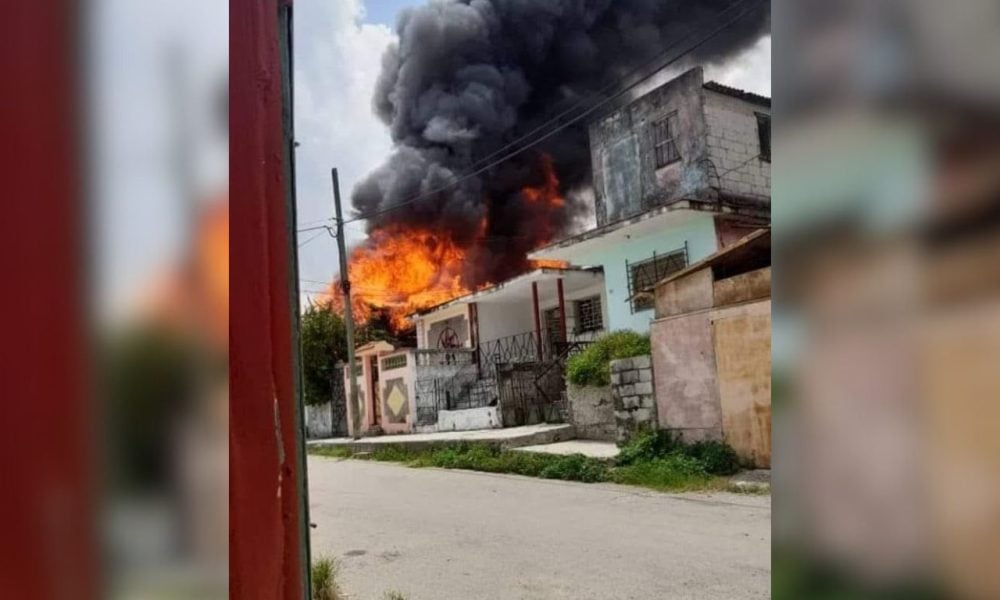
<point>678,174</point>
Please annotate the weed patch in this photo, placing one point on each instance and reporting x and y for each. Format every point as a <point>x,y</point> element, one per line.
<point>653,459</point>
<point>649,447</point>
<point>324,580</point>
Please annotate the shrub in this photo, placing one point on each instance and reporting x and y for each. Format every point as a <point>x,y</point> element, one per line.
<point>591,367</point>
<point>647,445</point>
<point>719,458</point>
<point>324,580</point>
<point>715,458</point>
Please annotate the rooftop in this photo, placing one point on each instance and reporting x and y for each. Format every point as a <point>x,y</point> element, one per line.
<point>737,93</point>
<point>650,221</point>
<point>518,288</point>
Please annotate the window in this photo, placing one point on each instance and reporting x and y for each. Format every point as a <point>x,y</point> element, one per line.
<point>642,276</point>
<point>664,144</point>
<point>764,136</point>
<point>588,315</point>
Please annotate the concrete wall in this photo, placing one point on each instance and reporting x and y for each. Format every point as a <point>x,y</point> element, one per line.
<point>744,287</point>
<point>592,411</point>
<point>698,232</point>
<point>687,390</point>
<point>319,421</point>
<point>397,394</point>
<point>713,364</point>
<point>469,419</point>
<point>742,340</point>
<point>686,294</point>
<point>626,179</point>
<point>734,146</point>
<point>633,396</point>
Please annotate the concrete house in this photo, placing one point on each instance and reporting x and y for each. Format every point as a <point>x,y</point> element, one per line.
<point>678,173</point>
<point>517,340</point>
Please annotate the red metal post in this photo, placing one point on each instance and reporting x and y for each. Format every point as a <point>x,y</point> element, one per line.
<point>538,320</point>
<point>268,552</point>
<point>474,332</point>
<point>562,308</point>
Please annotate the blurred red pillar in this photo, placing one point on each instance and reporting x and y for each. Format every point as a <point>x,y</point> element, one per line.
<point>267,548</point>
<point>47,511</point>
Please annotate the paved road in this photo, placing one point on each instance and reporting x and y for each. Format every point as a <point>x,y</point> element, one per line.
<point>444,535</point>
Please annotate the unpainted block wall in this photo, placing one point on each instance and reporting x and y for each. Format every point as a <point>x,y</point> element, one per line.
<point>625,177</point>
<point>632,393</point>
<point>591,410</point>
<point>734,146</point>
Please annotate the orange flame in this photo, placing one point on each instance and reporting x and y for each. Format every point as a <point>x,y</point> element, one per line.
<point>546,263</point>
<point>403,270</point>
<point>544,202</point>
<point>548,192</point>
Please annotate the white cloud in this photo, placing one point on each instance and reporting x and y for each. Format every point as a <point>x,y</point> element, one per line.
<point>337,60</point>
<point>750,71</point>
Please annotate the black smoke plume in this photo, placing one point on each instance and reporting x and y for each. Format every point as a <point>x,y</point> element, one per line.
<point>469,76</point>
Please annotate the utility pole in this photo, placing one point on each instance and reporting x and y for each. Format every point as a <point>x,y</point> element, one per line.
<point>345,286</point>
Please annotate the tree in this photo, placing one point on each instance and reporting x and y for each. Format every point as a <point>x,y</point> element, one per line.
<point>324,345</point>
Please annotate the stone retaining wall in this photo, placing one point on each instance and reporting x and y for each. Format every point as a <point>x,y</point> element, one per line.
<point>632,393</point>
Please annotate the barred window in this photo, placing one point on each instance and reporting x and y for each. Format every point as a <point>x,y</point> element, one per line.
<point>642,276</point>
<point>764,135</point>
<point>588,315</point>
<point>664,144</point>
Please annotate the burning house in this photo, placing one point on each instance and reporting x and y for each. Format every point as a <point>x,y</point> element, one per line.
<point>464,216</point>
<point>680,173</point>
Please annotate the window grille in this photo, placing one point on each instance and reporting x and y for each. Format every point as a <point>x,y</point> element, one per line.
<point>394,362</point>
<point>642,276</point>
<point>588,315</point>
<point>664,144</point>
<point>764,136</point>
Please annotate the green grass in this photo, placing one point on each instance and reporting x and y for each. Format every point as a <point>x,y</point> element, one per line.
<point>324,579</point>
<point>652,460</point>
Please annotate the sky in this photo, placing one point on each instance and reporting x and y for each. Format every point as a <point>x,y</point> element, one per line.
<point>338,50</point>
<point>134,101</point>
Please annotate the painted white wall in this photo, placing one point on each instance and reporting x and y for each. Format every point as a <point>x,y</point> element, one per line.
<point>733,145</point>
<point>424,323</point>
<point>502,319</point>
<point>469,419</point>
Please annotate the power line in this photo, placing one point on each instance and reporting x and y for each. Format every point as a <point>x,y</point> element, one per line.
<point>316,236</point>
<point>573,120</point>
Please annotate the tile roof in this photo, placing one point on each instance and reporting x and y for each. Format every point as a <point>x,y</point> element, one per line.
<point>737,93</point>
